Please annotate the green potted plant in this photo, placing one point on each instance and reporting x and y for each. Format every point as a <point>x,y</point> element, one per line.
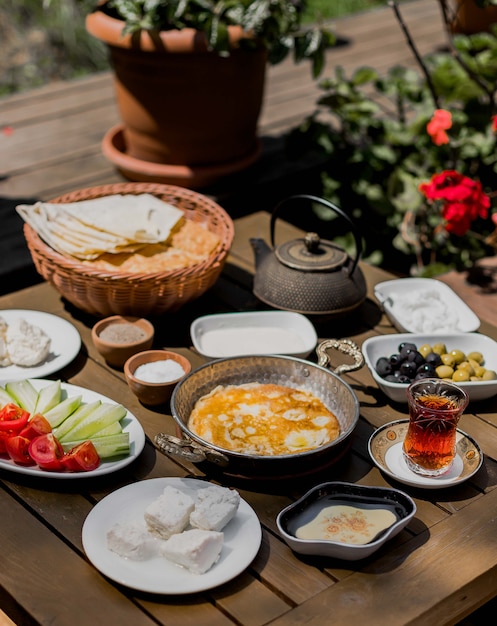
<point>413,154</point>
<point>189,79</point>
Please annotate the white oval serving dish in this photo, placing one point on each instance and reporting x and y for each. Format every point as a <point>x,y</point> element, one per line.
<point>361,496</point>
<point>258,332</point>
<point>425,305</point>
<point>385,345</point>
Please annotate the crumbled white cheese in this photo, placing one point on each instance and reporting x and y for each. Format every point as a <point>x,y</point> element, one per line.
<point>424,311</point>
<point>27,345</point>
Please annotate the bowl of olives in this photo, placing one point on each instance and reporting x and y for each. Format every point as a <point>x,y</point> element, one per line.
<point>468,359</point>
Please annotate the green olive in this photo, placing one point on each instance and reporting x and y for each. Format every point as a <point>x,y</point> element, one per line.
<point>460,376</point>
<point>489,375</point>
<point>480,371</point>
<point>425,349</point>
<point>448,359</point>
<point>467,367</point>
<point>476,356</point>
<point>444,371</point>
<point>458,355</point>
<point>439,348</point>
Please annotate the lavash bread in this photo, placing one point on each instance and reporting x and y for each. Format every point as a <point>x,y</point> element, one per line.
<point>115,223</point>
<point>129,233</point>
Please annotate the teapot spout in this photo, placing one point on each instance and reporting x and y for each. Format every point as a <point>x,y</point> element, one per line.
<point>260,248</point>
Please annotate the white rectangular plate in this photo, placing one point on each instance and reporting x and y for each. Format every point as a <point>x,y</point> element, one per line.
<point>425,305</point>
<point>259,332</point>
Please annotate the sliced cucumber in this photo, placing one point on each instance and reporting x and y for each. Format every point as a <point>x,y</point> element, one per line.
<point>81,413</point>
<point>5,397</point>
<point>112,429</point>
<point>63,410</point>
<point>97,420</point>
<point>107,447</point>
<point>24,394</point>
<point>48,397</point>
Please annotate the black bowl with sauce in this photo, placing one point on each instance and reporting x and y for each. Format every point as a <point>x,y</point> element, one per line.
<point>344,520</point>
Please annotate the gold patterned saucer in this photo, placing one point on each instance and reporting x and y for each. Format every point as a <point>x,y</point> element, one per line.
<point>385,448</point>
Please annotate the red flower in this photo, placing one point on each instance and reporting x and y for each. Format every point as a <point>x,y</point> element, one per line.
<point>463,199</point>
<point>436,127</point>
<point>494,123</point>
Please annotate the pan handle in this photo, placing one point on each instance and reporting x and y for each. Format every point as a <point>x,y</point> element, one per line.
<point>188,450</point>
<point>345,346</point>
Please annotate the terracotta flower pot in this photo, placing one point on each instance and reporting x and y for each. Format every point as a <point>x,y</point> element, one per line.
<point>469,18</point>
<point>182,106</point>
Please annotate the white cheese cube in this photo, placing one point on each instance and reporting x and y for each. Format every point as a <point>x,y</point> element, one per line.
<point>131,540</point>
<point>169,513</point>
<point>214,508</point>
<point>196,550</point>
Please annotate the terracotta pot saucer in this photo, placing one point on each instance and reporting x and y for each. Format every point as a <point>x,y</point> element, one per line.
<point>114,149</point>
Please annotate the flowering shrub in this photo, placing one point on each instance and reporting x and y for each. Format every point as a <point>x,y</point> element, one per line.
<point>412,156</point>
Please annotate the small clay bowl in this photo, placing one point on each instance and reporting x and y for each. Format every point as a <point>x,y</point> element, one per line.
<point>116,338</point>
<point>154,393</point>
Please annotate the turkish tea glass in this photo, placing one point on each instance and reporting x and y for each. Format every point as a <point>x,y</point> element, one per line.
<point>435,407</point>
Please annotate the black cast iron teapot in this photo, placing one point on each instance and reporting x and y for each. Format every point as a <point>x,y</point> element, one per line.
<point>310,275</point>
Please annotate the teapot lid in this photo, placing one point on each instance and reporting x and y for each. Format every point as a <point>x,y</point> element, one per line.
<point>311,254</point>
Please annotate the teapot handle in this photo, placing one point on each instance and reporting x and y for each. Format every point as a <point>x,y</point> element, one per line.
<point>330,205</point>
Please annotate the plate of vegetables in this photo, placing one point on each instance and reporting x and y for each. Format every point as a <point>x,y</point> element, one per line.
<point>58,430</point>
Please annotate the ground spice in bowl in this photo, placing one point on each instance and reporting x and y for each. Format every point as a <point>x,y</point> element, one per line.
<point>122,333</point>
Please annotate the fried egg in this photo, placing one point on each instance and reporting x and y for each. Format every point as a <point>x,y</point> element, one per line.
<point>263,419</point>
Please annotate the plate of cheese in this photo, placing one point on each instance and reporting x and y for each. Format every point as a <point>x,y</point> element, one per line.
<point>172,535</point>
<point>34,344</point>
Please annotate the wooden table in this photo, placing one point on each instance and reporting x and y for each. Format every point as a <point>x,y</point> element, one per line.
<point>439,569</point>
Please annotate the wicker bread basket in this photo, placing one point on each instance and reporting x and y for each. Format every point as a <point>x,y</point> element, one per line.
<point>103,293</point>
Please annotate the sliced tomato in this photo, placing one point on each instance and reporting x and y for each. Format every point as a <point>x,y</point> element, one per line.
<point>82,458</point>
<point>4,435</point>
<point>17,448</point>
<point>13,418</point>
<point>37,425</point>
<point>47,452</point>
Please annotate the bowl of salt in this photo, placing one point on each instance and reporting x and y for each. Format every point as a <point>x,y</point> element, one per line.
<point>152,375</point>
<point>118,337</point>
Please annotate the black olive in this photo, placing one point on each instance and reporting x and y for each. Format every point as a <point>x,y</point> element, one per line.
<point>421,375</point>
<point>407,345</point>
<point>416,357</point>
<point>434,358</point>
<point>426,368</point>
<point>409,369</point>
<point>404,380</point>
<point>391,378</point>
<point>396,360</point>
<point>383,367</point>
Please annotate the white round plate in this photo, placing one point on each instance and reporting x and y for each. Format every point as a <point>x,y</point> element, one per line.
<point>385,448</point>
<point>64,346</point>
<point>242,539</point>
<point>130,424</point>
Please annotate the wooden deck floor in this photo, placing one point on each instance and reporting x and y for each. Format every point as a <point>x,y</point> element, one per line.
<point>56,130</point>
